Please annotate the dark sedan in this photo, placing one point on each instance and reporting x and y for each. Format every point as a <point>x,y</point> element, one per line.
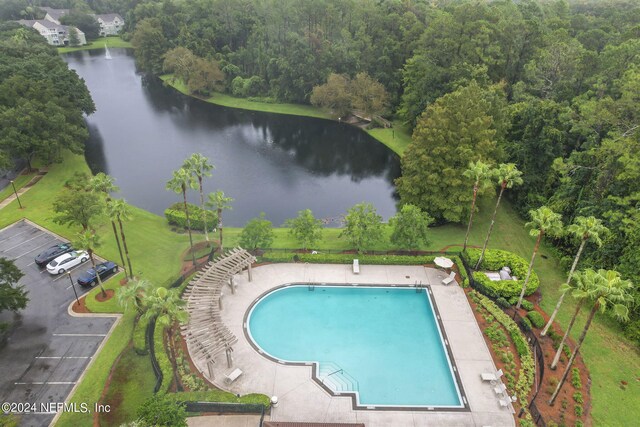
<point>52,253</point>
<point>105,269</point>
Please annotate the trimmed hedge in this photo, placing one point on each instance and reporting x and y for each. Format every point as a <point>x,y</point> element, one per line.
<point>220,396</point>
<point>162,358</point>
<point>140,344</point>
<point>176,215</point>
<point>536,319</point>
<point>527,366</point>
<point>347,258</point>
<point>494,260</point>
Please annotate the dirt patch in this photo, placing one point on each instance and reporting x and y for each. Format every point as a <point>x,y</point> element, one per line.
<point>116,399</point>
<point>100,297</point>
<point>80,308</point>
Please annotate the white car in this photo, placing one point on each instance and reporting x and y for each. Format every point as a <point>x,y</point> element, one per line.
<point>66,262</point>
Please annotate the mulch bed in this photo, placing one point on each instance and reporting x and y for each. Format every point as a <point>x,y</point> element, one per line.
<point>563,411</point>
<point>110,294</point>
<point>82,308</point>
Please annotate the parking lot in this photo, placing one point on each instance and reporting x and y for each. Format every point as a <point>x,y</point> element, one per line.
<point>48,350</point>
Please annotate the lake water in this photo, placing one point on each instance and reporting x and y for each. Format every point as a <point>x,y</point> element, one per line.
<point>270,163</point>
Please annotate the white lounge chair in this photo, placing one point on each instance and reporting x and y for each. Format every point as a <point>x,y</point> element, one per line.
<point>356,266</point>
<point>488,376</point>
<point>233,376</point>
<point>500,389</point>
<point>504,403</point>
<point>448,280</point>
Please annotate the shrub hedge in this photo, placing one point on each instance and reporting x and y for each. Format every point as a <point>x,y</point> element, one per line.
<point>527,366</point>
<point>140,336</point>
<point>536,319</point>
<point>176,215</point>
<point>221,396</point>
<point>163,358</point>
<point>494,260</point>
<point>527,305</point>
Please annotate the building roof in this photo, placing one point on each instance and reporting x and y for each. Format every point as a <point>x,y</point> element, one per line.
<point>109,17</point>
<point>55,13</point>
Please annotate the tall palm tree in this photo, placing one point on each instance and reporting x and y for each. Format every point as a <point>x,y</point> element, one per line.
<point>200,167</point>
<point>481,173</point>
<point>586,229</point>
<point>119,211</point>
<point>543,221</point>
<point>609,292</point>
<point>508,176</point>
<point>89,241</point>
<point>103,183</point>
<point>219,202</point>
<point>133,294</point>
<point>179,183</point>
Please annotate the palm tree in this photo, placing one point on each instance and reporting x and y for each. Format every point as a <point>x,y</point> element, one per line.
<point>119,211</point>
<point>179,183</point>
<point>508,176</point>
<point>133,294</point>
<point>199,166</point>
<point>481,173</point>
<point>543,221</point>
<point>608,291</point>
<point>585,228</point>
<point>103,183</point>
<point>89,241</point>
<point>219,202</point>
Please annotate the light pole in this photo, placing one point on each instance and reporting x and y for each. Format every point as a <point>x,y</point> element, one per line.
<point>16,193</point>
<point>74,288</point>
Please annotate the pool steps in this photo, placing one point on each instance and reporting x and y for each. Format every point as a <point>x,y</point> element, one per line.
<point>334,377</point>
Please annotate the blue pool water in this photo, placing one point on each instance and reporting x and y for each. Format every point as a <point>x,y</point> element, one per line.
<point>387,339</point>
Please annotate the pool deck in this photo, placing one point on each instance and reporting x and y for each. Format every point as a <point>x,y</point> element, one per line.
<point>302,399</point>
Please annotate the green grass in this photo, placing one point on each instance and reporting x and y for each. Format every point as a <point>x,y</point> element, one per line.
<point>97,44</point>
<point>20,181</point>
<point>90,389</point>
<point>132,383</point>
<point>396,138</point>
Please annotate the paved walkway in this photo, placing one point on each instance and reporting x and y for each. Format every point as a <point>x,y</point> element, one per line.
<point>302,399</point>
<point>24,189</point>
<point>224,421</point>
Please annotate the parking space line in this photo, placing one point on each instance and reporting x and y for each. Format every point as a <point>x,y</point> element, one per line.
<point>15,235</point>
<point>23,242</point>
<point>60,276</point>
<point>48,383</point>
<point>79,335</point>
<point>45,243</point>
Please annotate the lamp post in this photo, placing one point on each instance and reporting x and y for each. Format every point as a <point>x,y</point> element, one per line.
<point>74,288</point>
<point>16,193</point>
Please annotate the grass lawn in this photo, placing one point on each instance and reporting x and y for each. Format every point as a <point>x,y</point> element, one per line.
<point>97,44</point>
<point>396,138</point>
<point>131,384</point>
<point>20,181</point>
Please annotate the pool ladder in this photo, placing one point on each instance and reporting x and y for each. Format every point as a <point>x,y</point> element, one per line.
<point>419,286</point>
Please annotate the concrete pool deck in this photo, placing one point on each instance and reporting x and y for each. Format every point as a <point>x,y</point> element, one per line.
<point>302,399</point>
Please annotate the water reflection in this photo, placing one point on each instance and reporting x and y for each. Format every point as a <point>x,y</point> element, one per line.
<point>274,163</point>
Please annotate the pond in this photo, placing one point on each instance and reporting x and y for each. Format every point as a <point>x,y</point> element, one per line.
<point>277,164</point>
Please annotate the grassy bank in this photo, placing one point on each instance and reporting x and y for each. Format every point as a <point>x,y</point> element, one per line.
<point>97,44</point>
<point>20,181</point>
<point>396,138</point>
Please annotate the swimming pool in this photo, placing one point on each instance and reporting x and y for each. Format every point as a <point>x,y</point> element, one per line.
<point>382,344</point>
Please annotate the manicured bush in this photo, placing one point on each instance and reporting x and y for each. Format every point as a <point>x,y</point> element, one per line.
<point>461,271</point>
<point>526,324</point>
<point>163,358</point>
<point>176,215</point>
<point>575,378</point>
<point>346,258</point>
<point>502,302</point>
<point>578,410</point>
<point>577,396</point>
<point>527,305</point>
<point>536,319</point>
<point>140,336</point>
<point>494,260</point>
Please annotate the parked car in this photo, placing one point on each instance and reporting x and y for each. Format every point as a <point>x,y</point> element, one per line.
<point>52,253</point>
<point>67,261</point>
<point>105,269</point>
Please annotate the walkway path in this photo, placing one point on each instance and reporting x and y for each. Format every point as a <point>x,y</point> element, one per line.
<point>27,187</point>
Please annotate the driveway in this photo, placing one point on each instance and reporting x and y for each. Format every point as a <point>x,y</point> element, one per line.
<point>48,350</point>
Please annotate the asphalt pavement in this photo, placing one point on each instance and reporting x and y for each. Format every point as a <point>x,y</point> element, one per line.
<point>48,349</point>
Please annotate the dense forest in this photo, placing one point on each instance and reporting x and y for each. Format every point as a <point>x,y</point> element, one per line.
<point>552,86</point>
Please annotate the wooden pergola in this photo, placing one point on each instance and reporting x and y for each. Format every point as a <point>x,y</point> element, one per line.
<point>205,334</point>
